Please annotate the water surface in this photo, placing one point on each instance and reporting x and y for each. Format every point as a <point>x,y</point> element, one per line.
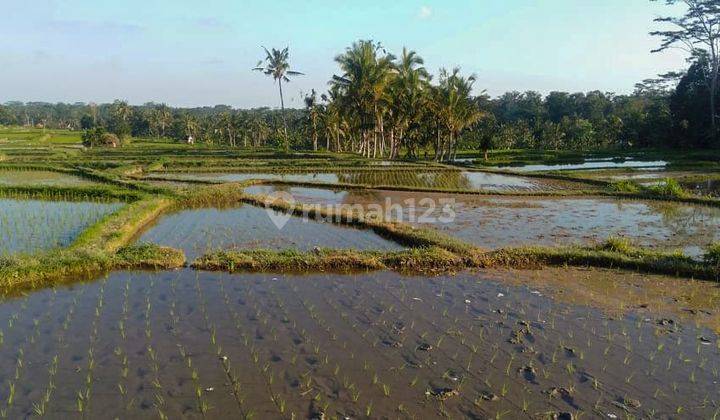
<point>246,227</point>
<point>450,180</point>
<point>192,345</point>
<point>494,222</point>
<point>28,226</point>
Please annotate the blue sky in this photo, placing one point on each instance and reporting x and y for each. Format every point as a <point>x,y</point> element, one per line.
<point>190,53</point>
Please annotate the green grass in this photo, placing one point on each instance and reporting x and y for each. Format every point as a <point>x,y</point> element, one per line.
<point>105,245</point>
<point>419,260</point>
<point>712,255</point>
<point>429,260</point>
<point>668,188</point>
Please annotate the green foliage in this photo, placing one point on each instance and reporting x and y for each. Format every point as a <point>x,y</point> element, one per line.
<point>625,186</point>
<point>712,255</point>
<point>669,188</point>
<point>618,244</point>
<point>97,137</point>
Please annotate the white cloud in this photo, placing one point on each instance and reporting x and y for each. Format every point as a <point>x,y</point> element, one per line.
<point>425,12</point>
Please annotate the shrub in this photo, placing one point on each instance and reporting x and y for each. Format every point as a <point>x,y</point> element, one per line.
<point>712,255</point>
<point>626,186</point>
<point>99,137</point>
<point>617,244</point>
<point>669,188</point>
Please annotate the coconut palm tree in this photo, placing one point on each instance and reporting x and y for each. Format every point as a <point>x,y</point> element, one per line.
<point>455,109</point>
<point>311,103</point>
<point>277,66</point>
<point>367,72</point>
<point>409,92</point>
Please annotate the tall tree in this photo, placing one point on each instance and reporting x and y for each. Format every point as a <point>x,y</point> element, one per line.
<point>367,70</point>
<point>409,90</point>
<point>698,33</point>
<point>456,111</point>
<point>311,103</point>
<point>277,66</point>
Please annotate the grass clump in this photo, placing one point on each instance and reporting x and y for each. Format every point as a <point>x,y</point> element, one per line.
<point>712,255</point>
<point>625,186</point>
<point>617,244</point>
<point>217,195</point>
<point>668,188</point>
<point>148,256</point>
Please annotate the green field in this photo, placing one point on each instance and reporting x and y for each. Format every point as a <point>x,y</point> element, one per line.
<point>153,280</point>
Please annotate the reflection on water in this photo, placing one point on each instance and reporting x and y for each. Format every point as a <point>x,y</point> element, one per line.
<point>450,180</point>
<point>590,164</point>
<point>494,222</point>
<point>200,230</point>
<point>196,345</point>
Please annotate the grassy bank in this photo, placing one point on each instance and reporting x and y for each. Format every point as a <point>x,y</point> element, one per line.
<point>421,260</point>
<point>101,248</point>
<point>438,260</point>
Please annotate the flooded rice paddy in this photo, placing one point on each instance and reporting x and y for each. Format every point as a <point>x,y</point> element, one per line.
<point>45,178</point>
<point>200,230</point>
<point>451,180</point>
<point>589,164</point>
<point>28,226</point>
<point>190,344</point>
<point>494,222</point>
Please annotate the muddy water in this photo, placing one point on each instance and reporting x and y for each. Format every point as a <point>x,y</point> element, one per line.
<point>495,222</point>
<point>135,345</point>
<point>197,231</point>
<point>27,226</point>
<point>46,178</point>
<point>457,180</point>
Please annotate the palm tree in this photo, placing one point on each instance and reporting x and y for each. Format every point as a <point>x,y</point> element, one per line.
<point>278,67</point>
<point>190,125</point>
<point>409,91</point>
<point>160,119</point>
<point>455,109</point>
<point>364,83</point>
<point>311,103</point>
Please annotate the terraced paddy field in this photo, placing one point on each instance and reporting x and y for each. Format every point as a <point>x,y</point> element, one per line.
<point>428,179</point>
<point>495,222</point>
<point>42,178</point>
<point>480,345</point>
<point>342,314</point>
<point>28,226</point>
<point>247,227</point>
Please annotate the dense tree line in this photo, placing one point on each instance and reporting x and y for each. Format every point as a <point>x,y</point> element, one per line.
<point>420,118</point>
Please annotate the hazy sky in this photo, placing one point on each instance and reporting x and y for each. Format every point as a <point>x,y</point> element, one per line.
<point>188,53</point>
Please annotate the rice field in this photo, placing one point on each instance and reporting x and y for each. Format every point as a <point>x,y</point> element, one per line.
<point>443,180</point>
<point>495,222</point>
<point>28,226</point>
<point>497,343</point>
<point>200,230</point>
<point>43,178</point>
<point>195,345</point>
